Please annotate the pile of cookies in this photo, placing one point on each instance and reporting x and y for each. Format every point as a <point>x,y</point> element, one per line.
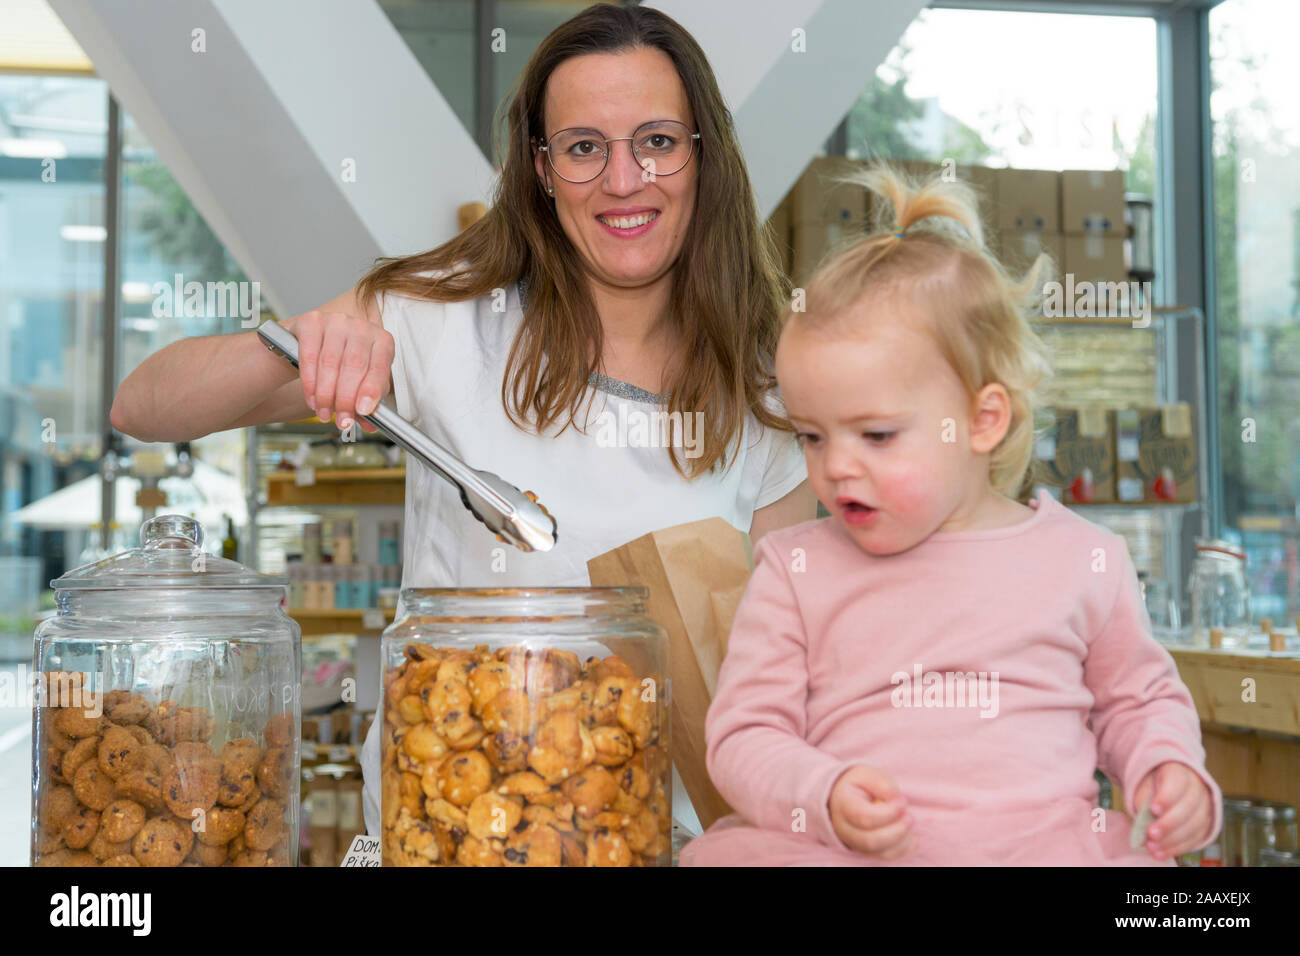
<point>123,782</point>
<point>522,757</point>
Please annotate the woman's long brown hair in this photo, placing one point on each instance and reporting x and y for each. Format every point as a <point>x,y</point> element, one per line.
<point>728,289</point>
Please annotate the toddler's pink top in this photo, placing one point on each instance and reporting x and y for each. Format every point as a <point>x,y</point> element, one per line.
<point>989,672</point>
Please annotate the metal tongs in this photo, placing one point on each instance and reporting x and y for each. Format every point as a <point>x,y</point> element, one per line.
<point>515,517</point>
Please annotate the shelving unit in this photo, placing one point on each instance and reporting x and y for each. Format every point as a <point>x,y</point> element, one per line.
<point>356,487</point>
<point>1179,373</point>
<point>367,621</point>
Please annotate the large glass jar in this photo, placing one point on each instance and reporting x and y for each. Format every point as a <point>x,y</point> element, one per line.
<point>166,721</point>
<point>525,727</point>
<point>1268,824</point>
<point>1234,820</point>
<point>1219,594</point>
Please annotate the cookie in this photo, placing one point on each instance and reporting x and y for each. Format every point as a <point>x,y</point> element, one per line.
<point>57,805</point>
<point>123,707</point>
<point>608,848</point>
<point>125,860</point>
<point>220,826</point>
<point>102,848</point>
<point>122,819</point>
<point>81,828</point>
<point>187,788</point>
<point>535,845</point>
<point>493,815</point>
<point>280,730</point>
<point>177,724</point>
<point>92,786</point>
<point>237,784</point>
<point>205,855</point>
<point>463,776</point>
<point>119,752</point>
<point>275,772</point>
<point>84,720</point>
<point>242,751</point>
<point>142,786</point>
<point>162,841</point>
<point>265,824</point>
<point>85,749</point>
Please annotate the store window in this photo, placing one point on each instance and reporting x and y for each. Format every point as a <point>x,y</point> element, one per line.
<point>1256,168</point>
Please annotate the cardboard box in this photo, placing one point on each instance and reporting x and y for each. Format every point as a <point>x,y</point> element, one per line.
<point>1077,454</point>
<point>818,198</point>
<point>1155,454</point>
<point>1094,259</point>
<point>1028,200</point>
<point>1019,250</point>
<point>1092,202</point>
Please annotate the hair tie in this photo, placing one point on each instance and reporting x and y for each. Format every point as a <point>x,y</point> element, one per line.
<point>898,232</point>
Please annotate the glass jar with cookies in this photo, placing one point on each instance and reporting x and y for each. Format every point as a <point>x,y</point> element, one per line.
<point>166,711</point>
<point>525,727</point>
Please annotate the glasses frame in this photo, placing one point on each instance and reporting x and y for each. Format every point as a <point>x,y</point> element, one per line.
<point>543,145</point>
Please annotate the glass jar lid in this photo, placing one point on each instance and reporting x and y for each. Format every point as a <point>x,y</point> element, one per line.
<point>1271,810</point>
<point>170,555</point>
<point>1214,546</point>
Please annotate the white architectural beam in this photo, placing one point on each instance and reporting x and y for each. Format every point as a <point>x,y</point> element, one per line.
<point>264,115</point>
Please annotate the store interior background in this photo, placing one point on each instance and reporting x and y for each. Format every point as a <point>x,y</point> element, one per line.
<point>1195,101</point>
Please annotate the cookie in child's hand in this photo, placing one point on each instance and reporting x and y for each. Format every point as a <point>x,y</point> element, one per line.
<point>1137,837</point>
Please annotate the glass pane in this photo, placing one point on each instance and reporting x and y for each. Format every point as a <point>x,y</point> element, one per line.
<point>1256,153</point>
<point>440,33</point>
<point>178,281</point>
<point>52,138</point>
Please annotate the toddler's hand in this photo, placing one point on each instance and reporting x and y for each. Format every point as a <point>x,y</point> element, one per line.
<point>869,814</point>
<point>1181,804</point>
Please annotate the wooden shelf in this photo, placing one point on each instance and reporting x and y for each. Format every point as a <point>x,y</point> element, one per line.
<point>337,620</point>
<point>1215,679</point>
<point>354,486</point>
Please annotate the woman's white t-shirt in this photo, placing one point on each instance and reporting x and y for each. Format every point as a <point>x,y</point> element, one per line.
<point>605,487</point>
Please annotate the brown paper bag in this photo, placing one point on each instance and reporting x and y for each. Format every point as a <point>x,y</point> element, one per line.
<point>696,574</point>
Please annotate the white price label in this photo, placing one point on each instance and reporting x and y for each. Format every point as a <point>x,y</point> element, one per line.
<point>309,750</point>
<point>1045,449</point>
<point>372,619</point>
<point>338,753</point>
<point>364,851</point>
<point>306,475</point>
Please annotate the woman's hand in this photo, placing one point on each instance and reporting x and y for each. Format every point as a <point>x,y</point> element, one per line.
<point>1181,804</point>
<point>869,814</point>
<point>344,363</point>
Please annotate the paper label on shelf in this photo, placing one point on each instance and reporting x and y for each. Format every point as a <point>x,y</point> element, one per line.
<point>1045,449</point>
<point>339,753</point>
<point>306,475</point>
<point>1129,489</point>
<point>372,619</point>
<point>1126,447</point>
<point>364,851</point>
<point>309,750</point>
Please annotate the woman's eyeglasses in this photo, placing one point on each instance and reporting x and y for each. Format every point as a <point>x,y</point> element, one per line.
<point>579,155</point>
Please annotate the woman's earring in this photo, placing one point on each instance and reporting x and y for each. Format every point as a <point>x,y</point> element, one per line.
<point>551,190</point>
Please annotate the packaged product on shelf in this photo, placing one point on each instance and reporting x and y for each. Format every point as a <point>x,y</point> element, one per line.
<point>342,550</point>
<point>388,552</point>
<point>1028,200</point>
<point>1162,462</point>
<point>350,820</point>
<point>324,820</point>
<point>1076,454</point>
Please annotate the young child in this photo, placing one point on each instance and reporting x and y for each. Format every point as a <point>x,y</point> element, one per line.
<point>931,675</point>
